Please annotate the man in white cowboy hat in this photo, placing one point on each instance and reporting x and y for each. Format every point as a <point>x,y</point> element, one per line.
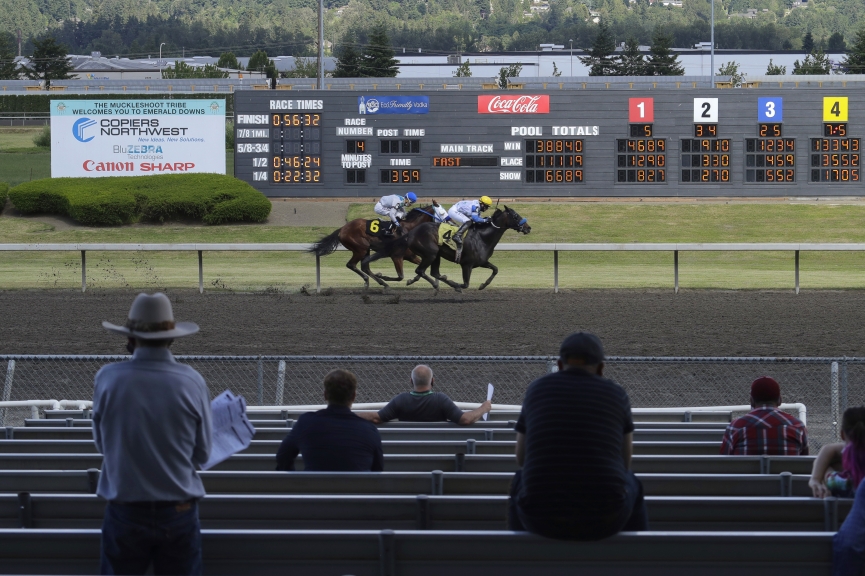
<point>152,424</point>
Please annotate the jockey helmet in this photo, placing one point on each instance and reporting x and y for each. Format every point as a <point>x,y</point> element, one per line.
<point>411,197</point>
<point>486,201</point>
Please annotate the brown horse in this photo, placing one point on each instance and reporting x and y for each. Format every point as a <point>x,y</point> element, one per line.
<point>355,239</point>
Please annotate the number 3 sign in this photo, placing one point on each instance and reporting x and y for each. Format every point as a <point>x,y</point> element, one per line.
<point>770,109</point>
<point>641,110</point>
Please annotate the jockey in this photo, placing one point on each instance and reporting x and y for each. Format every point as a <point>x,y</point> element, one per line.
<point>393,206</point>
<point>466,212</point>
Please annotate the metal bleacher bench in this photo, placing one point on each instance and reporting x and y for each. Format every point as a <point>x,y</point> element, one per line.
<point>436,482</point>
<point>425,512</point>
<point>446,462</point>
<point>456,553</point>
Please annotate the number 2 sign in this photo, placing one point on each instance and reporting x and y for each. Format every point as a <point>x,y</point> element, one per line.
<point>705,110</point>
<point>641,110</point>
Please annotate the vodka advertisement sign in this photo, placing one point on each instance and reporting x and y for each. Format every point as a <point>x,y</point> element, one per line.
<point>94,138</point>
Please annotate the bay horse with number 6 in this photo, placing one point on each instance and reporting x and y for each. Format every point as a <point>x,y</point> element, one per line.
<point>359,242</point>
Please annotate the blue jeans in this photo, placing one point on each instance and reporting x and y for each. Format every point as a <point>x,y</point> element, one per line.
<point>848,545</point>
<point>632,518</point>
<point>133,537</point>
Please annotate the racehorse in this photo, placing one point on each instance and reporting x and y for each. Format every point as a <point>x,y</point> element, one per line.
<point>478,246</point>
<point>355,238</point>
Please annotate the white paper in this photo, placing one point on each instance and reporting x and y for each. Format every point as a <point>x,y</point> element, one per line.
<point>489,397</point>
<point>232,430</point>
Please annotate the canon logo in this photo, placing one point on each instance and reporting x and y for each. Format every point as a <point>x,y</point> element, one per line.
<point>514,104</point>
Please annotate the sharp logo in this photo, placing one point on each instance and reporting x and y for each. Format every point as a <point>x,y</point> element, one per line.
<point>80,127</point>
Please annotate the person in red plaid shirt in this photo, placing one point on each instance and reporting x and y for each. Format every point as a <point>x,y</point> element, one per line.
<point>766,429</point>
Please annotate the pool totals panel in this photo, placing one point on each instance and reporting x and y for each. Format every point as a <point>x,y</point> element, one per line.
<point>561,143</point>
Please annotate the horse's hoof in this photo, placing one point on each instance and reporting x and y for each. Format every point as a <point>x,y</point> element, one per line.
<point>379,275</point>
<point>410,282</point>
<point>482,286</point>
<point>443,278</point>
<point>458,289</point>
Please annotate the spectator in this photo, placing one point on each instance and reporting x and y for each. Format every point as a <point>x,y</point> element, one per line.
<point>333,439</point>
<point>766,429</point>
<point>423,404</point>
<point>574,443</point>
<point>152,424</point>
<point>838,471</point>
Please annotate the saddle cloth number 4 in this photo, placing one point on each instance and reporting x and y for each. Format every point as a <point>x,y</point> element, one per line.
<point>446,235</point>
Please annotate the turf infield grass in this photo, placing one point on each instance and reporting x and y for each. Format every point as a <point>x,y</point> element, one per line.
<point>551,222</point>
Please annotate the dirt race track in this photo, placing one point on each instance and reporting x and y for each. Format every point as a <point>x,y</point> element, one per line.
<point>495,322</point>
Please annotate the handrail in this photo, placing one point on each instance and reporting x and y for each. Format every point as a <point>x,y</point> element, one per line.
<point>555,248</point>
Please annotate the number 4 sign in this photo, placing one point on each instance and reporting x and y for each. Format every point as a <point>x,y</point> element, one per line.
<point>641,110</point>
<point>705,110</point>
<point>834,109</point>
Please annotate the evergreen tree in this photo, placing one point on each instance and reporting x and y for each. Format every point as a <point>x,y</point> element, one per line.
<point>505,72</point>
<point>854,62</point>
<point>8,66</point>
<point>463,71</point>
<point>556,72</point>
<point>303,68</point>
<point>836,43</point>
<point>378,59</point>
<point>228,60</point>
<point>348,60</point>
<point>807,43</point>
<point>601,60</point>
<point>662,61</point>
<point>631,62</point>
<point>816,63</point>
<point>259,62</point>
<point>773,70</point>
<point>50,61</point>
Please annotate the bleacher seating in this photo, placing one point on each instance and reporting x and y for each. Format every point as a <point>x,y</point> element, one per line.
<point>747,515</point>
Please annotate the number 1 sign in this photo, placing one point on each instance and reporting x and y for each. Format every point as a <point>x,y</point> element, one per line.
<point>641,110</point>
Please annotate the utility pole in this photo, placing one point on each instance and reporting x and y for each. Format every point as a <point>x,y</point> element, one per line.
<point>320,82</point>
<point>19,43</point>
<point>712,58</point>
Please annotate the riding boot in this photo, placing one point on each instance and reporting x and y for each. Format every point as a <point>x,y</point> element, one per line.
<point>458,240</point>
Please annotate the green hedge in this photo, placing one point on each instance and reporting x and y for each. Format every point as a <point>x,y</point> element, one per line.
<point>4,193</point>
<point>42,102</point>
<point>111,201</point>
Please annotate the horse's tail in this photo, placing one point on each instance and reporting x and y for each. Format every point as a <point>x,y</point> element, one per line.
<point>326,245</point>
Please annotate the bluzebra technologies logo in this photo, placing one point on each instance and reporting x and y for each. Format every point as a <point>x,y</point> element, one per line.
<point>79,128</point>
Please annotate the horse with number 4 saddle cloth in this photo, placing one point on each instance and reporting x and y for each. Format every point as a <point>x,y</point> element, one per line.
<point>433,241</point>
<point>361,235</point>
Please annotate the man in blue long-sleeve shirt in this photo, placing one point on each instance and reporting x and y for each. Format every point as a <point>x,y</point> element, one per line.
<point>152,424</point>
<point>333,439</point>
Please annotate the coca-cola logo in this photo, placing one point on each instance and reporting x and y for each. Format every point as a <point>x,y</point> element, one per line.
<point>514,104</point>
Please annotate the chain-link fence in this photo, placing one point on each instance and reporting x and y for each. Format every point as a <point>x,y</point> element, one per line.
<point>825,385</point>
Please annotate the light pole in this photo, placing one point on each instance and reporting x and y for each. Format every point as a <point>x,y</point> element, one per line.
<point>712,39</point>
<point>572,56</point>
<point>160,51</point>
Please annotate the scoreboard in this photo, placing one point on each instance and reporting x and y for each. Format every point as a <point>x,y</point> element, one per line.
<point>686,142</point>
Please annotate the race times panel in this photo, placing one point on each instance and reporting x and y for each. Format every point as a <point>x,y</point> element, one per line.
<point>835,157</point>
<point>770,158</point>
<point>554,161</point>
<point>641,158</point>
<point>705,158</point>
<point>296,148</point>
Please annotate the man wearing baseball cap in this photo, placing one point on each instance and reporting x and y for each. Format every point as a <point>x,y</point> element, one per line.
<point>574,444</point>
<point>766,429</point>
<point>152,424</point>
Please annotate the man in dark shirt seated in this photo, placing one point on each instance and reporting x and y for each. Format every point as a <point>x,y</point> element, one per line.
<point>333,439</point>
<point>423,404</point>
<point>574,443</point>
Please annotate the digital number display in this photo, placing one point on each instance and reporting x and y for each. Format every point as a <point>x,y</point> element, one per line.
<point>406,176</point>
<point>769,130</point>
<point>464,161</point>
<point>355,146</point>
<point>641,160</point>
<point>641,130</point>
<point>770,160</point>
<point>705,130</point>
<point>355,176</point>
<point>296,120</point>
<point>835,159</point>
<point>400,146</point>
<point>705,160</point>
<point>554,161</point>
<point>834,129</point>
<point>296,148</point>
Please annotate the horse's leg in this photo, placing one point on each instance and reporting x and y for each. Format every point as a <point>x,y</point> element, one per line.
<point>352,265</point>
<point>421,272</point>
<point>364,265</point>
<point>436,274</point>
<point>397,265</point>
<point>495,270</point>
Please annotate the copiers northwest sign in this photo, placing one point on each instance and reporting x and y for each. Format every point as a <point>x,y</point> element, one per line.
<point>136,137</point>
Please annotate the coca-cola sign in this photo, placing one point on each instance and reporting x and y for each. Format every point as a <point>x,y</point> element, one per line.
<point>514,104</point>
